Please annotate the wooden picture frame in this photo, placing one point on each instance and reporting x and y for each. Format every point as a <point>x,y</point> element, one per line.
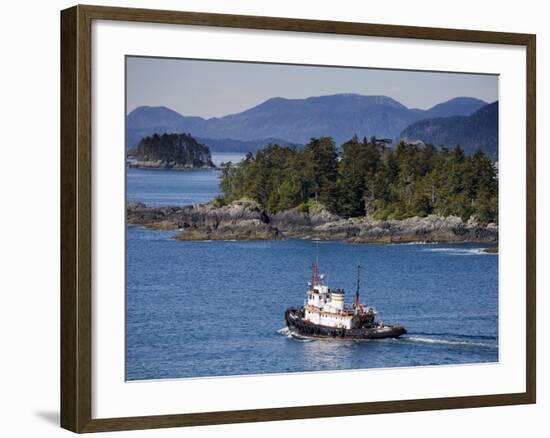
<point>76,217</point>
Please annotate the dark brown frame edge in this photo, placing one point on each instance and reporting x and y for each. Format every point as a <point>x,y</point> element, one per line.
<point>76,168</point>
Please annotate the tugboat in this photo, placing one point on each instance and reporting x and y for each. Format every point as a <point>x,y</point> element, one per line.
<point>325,315</point>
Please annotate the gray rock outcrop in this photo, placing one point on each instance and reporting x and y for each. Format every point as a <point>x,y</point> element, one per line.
<point>245,220</point>
<point>240,220</point>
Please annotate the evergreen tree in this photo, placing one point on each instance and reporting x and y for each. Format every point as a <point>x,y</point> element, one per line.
<point>410,180</point>
<point>321,169</point>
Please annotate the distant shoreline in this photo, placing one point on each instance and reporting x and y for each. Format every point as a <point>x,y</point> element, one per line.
<point>176,168</point>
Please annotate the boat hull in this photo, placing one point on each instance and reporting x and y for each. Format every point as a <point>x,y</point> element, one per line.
<point>296,324</point>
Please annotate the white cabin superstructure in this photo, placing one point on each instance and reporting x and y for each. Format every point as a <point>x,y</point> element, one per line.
<point>327,307</point>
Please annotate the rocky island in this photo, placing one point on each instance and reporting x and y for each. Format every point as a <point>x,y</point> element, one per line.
<point>170,151</point>
<point>245,220</point>
<point>362,192</point>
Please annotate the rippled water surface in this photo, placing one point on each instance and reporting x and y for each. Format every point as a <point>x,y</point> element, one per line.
<point>217,308</point>
<point>176,187</point>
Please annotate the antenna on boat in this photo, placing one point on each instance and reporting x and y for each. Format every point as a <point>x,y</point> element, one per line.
<point>316,277</point>
<point>317,252</point>
<point>357,290</point>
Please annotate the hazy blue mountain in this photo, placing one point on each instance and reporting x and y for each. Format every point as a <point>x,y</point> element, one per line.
<point>476,131</point>
<point>293,120</point>
<point>148,120</point>
<point>459,106</point>
<point>151,117</point>
<point>297,120</point>
<point>232,145</point>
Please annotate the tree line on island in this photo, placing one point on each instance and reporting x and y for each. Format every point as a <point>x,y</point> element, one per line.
<point>170,151</point>
<point>365,177</point>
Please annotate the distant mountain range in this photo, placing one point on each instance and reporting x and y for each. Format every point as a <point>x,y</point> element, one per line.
<point>295,121</point>
<point>147,120</point>
<point>476,131</point>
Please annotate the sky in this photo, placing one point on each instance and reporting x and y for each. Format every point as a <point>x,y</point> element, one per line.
<point>218,88</point>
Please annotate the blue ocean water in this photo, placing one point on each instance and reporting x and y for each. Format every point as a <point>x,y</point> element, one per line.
<point>176,187</point>
<point>217,308</point>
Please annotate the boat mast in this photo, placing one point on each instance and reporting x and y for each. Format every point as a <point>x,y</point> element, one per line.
<point>357,290</point>
<point>316,279</point>
<point>317,252</point>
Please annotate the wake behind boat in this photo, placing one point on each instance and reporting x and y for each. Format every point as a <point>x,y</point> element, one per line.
<point>325,315</point>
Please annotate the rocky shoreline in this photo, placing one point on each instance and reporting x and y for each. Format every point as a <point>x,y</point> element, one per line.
<point>245,220</point>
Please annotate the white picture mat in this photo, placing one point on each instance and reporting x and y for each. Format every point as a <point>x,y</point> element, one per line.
<point>113,397</point>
